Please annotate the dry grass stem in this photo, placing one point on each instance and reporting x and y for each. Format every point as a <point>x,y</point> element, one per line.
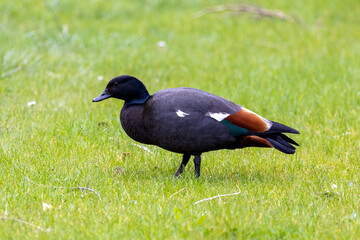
<point>88,189</point>
<point>142,147</point>
<point>26,223</point>
<point>218,196</point>
<point>59,187</point>
<point>254,10</point>
<point>177,192</point>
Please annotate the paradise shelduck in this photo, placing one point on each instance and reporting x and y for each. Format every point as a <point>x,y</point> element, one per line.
<point>190,121</point>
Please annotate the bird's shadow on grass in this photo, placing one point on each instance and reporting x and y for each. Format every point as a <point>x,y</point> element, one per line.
<point>241,176</point>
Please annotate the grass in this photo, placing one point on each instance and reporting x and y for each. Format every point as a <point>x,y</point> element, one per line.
<point>307,77</point>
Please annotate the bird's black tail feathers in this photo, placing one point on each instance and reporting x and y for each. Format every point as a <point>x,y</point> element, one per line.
<point>281,142</point>
<point>278,127</point>
<point>278,140</point>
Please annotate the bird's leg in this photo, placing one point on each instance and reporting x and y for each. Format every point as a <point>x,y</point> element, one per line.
<point>185,160</point>
<point>197,162</point>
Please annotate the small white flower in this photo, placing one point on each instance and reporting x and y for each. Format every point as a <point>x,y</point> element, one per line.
<point>334,186</point>
<point>100,78</point>
<point>65,29</point>
<point>31,103</point>
<point>47,206</point>
<point>52,74</point>
<point>161,44</point>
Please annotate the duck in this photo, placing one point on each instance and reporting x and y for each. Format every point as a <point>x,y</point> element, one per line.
<point>191,122</point>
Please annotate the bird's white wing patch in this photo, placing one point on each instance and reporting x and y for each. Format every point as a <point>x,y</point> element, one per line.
<point>218,116</point>
<point>181,113</point>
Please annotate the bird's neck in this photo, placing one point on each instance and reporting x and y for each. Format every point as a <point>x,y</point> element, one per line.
<point>138,100</point>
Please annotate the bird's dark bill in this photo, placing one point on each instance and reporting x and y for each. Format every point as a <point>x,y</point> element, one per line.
<point>102,96</point>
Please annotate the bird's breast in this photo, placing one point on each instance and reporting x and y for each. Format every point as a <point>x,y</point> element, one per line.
<point>132,121</point>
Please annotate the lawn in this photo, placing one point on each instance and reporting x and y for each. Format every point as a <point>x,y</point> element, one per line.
<point>68,170</point>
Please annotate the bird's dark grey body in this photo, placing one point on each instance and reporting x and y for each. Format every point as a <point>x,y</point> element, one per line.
<point>191,121</point>
<point>158,122</point>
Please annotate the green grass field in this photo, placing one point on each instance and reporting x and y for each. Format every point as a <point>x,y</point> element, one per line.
<point>304,75</point>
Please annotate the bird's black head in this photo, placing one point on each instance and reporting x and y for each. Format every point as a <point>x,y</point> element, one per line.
<point>127,88</point>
